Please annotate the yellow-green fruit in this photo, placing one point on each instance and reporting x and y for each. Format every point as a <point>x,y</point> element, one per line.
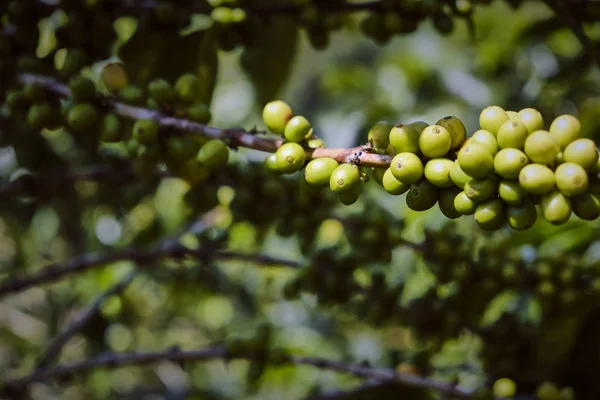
<point>392,185</point>
<point>318,171</point>
<point>82,89</point>
<point>512,115</point>
<point>297,129</point>
<point>82,116</point>
<point>457,130</point>
<point>556,207</point>
<point>422,196</point>
<point>465,205</point>
<point>114,77</point>
<point>344,179</point>
<point>541,147</point>
<point>565,129</point>
<point>446,202</point>
<point>213,154</point>
<point>349,197</point>
<point>511,192</point>
<point>290,158</point>
<point>491,118</point>
<point>187,87</point>
<point>582,152</point>
<point>548,391</point>
<point>145,131</point>
<point>75,60</point>
<point>532,119</point>
<point>316,143</point>
<point>110,129</point>
<point>435,141</point>
<point>475,160</point>
<point>419,126</point>
<point>487,140</point>
<point>509,162</point>
<point>131,95</point>
<point>537,179</point>
<point>270,164</point>
<point>512,134</point>
<point>276,115</point>
<point>523,216</point>
<point>404,138</point>
<point>379,135</point>
<point>458,176</point>
<point>489,215</point>
<point>481,189</point>
<point>571,179</point>
<point>407,167</point>
<point>199,113</point>
<point>39,115</point>
<point>161,91</point>
<point>182,147</point>
<point>378,174</point>
<point>586,206</point>
<point>437,171</point>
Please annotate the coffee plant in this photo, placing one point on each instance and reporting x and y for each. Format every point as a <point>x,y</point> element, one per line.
<point>299,199</point>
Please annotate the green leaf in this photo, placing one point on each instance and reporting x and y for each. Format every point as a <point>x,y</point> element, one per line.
<point>505,302</point>
<point>568,241</point>
<point>269,62</point>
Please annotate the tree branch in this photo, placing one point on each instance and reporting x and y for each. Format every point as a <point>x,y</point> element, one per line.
<point>110,360</point>
<point>237,137</point>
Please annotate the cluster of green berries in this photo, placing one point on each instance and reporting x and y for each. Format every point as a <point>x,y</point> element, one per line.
<point>506,388</point>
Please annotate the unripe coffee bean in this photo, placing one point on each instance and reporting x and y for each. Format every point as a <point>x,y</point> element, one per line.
<point>480,190</point>
<point>511,192</point>
<point>565,129</point>
<point>145,131</point>
<point>276,115</point>
<point>512,134</point>
<point>437,172</point>
<point>290,158</point>
<point>586,206</point>
<point>407,167</point>
<point>571,179</point>
<point>458,176</point>
<point>582,152</point>
<point>532,119</point>
<point>556,207</point>
<point>475,160</point>
<point>541,147</point>
<point>537,179</point>
<point>491,118</point>
<point>392,185</point>
<point>114,77</point>
<point>489,215</point>
<point>464,204</point>
<point>458,132</point>
<point>318,171</point>
<point>435,141</point>
<point>404,138</point>
<point>523,216</point>
<point>508,163</point>
<point>422,196</point>
<point>187,87</point>
<point>297,129</point>
<point>213,155</point>
<point>446,202</point>
<point>82,116</point>
<point>487,140</point>
<point>379,135</point>
<point>344,179</point>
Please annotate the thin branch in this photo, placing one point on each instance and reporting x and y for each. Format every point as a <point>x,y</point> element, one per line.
<point>81,321</point>
<point>237,137</point>
<point>110,360</point>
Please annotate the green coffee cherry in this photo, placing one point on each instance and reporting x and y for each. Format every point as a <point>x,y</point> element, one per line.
<point>39,115</point>
<point>82,116</point>
<point>404,139</point>
<point>187,87</point>
<point>446,203</point>
<point>392,185</point>
<point>513,115</point>
<point>481,189</point>
<point>297,129</point>
<point>475,160</point>
<point>487,140</point>
<point>276,115</point>
<point>419,126</point>
<point>537,179</point>
<point>422,196</point>
<point>114,77</point>
<point>523,216</point>
<point>512,134</point>
<point>582,152</point>
<point>541,147</point>
<point>34,93</point>
<point>199,113</point>
<point>435,141</point>
<point>458,132</point>
<point>161,91</point>
<point>82,88</point>
<point>110,129</point>
<point>214,154</point>
<point>182,147</point>
<point>344,179</point>
<point>379,135</point>
<point>565,129</point>
<point>458,176</point>
<point>556,207</point>
<point>532,119</point>
<point>378,174</point>
<point>270,164</point>
<point>489,215</point>
<point>290,158</point>
<point>437,171</point>
<point>491,118</point>
<point>318,171</point>
<point>464,205</point>
<point>349,197</point>
<point>145,131</point>
<point>131,95</point>
<point>75,60</point>
<point>571,179</point>
<point>316,143</point>
<point>509,162</point>
<point>586,206</point>
<point>407,167</point>
<point>511,192</point>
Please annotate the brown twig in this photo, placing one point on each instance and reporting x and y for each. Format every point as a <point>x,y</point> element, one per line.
<point>111,360</point>
<point>235,137</point>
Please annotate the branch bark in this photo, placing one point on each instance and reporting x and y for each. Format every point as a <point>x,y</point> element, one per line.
<point>111,360</point>
<point>237,137</point>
